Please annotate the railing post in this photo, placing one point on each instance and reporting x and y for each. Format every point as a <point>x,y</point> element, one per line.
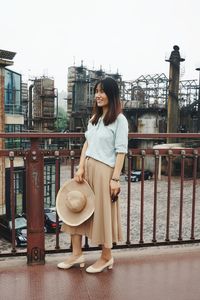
<point>169,171</point>
<point>143,153</point>
<point>57,186</point>
<point>157,156</point>
<point>12,200</point>
<point>195,158</point>
<point>129,197</point>
<point>35,204</point>
<point>72,153</point>
<point>181,194</point>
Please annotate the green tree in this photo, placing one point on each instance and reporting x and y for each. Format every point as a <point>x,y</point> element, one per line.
<point>61,122</point>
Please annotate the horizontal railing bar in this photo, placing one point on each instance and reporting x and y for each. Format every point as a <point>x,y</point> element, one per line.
<point>133,152</point>
<point>81,134</point>
<point>127,246</point>
<point>116,247</point>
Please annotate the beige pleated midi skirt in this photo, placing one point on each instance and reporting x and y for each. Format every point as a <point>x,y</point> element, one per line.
<point>104,226</point>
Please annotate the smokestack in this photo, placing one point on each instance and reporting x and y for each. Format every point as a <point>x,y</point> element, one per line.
<point>173,118</point>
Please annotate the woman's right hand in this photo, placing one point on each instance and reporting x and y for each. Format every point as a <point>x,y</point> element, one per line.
<point>79,176</point>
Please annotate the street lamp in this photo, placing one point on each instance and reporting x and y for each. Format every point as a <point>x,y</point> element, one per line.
<point>198,113</point>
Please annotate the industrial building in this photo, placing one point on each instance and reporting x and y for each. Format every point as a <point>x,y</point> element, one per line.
<point>152,103</point>
<point>44,105</point>
<point>145,102</point>
<point>143,98</point>
<point>11,117</point>
<point>24,108</point>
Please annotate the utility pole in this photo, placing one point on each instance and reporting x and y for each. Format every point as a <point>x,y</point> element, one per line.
<point>173,114</point>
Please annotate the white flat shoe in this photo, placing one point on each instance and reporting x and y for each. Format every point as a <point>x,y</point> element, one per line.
<point>79,260</point>
<point>108,264</point>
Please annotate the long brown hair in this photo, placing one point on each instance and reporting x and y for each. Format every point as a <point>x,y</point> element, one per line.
<point>111,89</point>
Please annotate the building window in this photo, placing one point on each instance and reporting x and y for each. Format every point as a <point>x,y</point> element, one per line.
<point>13,143</point>
<point>49,183</point>
<point>13,103</point>
<point>19,191</point>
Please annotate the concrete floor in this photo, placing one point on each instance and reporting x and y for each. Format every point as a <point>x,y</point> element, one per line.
<point>153,274</point>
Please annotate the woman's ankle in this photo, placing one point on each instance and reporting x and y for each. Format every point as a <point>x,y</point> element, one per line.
<point>78,253</point>
<point>106,254</point>
<point>76,245</point>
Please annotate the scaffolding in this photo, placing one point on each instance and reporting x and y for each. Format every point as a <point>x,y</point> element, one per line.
<point>145,92</point>
<point>189,106</point>
<point>188,93</point>
<point>148,93</point>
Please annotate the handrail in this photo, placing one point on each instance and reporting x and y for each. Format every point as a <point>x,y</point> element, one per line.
<point>81,134</point>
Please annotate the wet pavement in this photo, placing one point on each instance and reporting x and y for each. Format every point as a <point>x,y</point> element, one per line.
<point>149,274</point>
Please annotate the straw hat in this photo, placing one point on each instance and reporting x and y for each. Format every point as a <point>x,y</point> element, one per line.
<point>75,202</point>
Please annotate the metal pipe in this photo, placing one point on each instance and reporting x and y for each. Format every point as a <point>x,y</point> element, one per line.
<point>30,113</point>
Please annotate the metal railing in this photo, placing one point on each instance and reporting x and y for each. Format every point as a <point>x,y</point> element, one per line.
<point>162,211</point>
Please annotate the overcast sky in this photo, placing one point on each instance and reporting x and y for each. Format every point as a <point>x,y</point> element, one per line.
<point>131,36</point>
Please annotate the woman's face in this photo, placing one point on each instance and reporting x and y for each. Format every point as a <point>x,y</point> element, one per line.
<point>101,98</point>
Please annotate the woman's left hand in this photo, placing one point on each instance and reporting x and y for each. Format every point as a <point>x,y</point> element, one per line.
<point>114,188</point>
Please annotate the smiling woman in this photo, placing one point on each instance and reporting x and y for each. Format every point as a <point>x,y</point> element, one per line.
<point>101,162</point>
<point>101,97</point>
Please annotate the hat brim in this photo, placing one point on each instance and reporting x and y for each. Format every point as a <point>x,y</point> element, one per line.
<point>65,214</point>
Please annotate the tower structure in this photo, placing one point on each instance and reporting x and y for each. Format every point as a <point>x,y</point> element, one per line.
<point>173,118</point>
<point>44,104</point>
